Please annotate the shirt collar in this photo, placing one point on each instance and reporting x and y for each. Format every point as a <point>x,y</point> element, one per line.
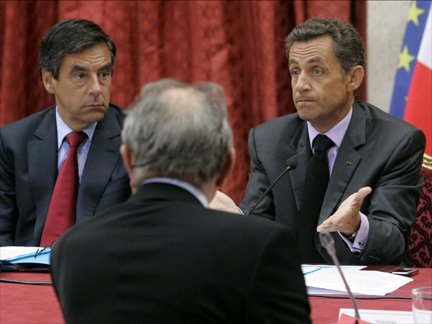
<point>336,134</point>
<point>63,129</point>
<point>198,194</point>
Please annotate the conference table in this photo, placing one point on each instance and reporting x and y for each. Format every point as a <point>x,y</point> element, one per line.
<point>25,303</point>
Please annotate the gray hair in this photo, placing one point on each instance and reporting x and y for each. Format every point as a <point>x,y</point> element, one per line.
<point>179,130</point>
<point>348,45</point>
<point>69,37</point>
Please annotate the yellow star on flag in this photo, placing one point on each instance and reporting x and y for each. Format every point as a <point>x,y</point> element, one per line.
<point>414,13</point>
<point>405,59</point>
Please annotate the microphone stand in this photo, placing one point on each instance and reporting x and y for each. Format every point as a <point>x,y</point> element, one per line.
<point>290,166</point>
<point>328,242</point>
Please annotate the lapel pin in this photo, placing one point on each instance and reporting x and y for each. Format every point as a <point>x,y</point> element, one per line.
<point>348,162</point>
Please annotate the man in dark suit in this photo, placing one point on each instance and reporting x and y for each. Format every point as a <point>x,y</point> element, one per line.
<point>163,256</point>
<point>76,61</point>
<point>375,183</point>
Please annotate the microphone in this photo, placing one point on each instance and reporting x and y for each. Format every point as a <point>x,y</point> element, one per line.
<point>291,165</point>
<point>328,243</point>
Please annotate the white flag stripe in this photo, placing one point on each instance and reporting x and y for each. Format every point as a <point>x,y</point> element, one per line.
<point>425,50</point>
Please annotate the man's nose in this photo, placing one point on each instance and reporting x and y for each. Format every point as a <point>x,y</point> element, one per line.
<point>302,83</point>
<point>94,86</point>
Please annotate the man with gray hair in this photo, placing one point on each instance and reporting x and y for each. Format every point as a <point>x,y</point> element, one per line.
<point>163,256</point>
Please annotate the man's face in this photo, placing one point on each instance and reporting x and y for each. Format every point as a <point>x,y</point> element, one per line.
<point>319,86</point>
<point>82,91</point>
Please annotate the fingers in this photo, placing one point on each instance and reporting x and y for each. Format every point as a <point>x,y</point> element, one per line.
<point>362,193</point>
<point>347,218</point>
<point>223,202</point>
<point>328,225</point>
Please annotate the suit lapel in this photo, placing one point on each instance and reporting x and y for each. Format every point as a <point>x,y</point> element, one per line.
<point>299,149</point>
<point>101,160</point>
<point>42,166</point>
<point>346,163</point>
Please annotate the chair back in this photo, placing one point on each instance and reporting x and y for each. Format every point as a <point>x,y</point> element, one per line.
<point>420,243</point>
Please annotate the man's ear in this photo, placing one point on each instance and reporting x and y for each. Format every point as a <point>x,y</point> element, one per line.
<point>227,169</point>
<point>48,81</point>
<point>128,160</point>
<point>355,78</point>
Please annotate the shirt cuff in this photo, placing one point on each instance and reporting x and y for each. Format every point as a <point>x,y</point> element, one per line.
<point>361,238</point>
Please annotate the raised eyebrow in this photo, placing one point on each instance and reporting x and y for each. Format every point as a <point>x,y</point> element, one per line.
<point>292,61</point>
<point>78,68</point>
<point>108,66</point>
<point>314,60</point>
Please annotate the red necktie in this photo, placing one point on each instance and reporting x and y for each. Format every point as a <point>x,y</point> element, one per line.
<point>62,209</point>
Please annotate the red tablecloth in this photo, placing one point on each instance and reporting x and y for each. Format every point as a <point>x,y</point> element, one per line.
<point>29,304</point>
<point>326,310</point>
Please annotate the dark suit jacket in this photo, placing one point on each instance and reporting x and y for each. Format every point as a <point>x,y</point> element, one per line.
<point>378,150</point>
<point>161,257</point>
<point>28,172</point>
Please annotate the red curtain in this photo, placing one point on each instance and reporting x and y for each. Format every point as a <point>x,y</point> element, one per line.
<point>237,44</point>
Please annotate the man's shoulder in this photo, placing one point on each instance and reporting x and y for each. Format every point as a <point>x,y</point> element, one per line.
<point>86,230</point>
<point>251,225</point>
<point>117,109</point>
<point>282,121</point>
<point>114,116</point>
<point>376,115</point>
<point>33,119</point>
<point>21,129</point>
<point>280,127</point>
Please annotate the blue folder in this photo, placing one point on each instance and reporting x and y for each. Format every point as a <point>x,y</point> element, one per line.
<point>34,261</point>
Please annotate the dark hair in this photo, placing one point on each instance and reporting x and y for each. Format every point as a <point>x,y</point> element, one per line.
<point>69,37</point>
<point>348,45</point>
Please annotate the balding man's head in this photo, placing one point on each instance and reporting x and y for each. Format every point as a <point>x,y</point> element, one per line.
<point>179,130</point>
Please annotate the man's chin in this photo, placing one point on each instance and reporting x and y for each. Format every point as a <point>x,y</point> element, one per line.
<point>94,116</point>
<point>306,114</point>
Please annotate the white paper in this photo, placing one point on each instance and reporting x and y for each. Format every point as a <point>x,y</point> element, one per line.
<point>11,252</point>
<point>311,291</point>
<point>380,316</point>
<point>309,268</point>
<point>360,282</point>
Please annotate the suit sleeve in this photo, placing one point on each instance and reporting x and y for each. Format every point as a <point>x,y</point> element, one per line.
<point>393,203</point>
<point>257,184</point>
<point>277,291</point>
<point>8,209</point>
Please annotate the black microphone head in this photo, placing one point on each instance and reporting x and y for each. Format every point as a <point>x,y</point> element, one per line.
<point>326,239</point>
<point>292,163</point>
